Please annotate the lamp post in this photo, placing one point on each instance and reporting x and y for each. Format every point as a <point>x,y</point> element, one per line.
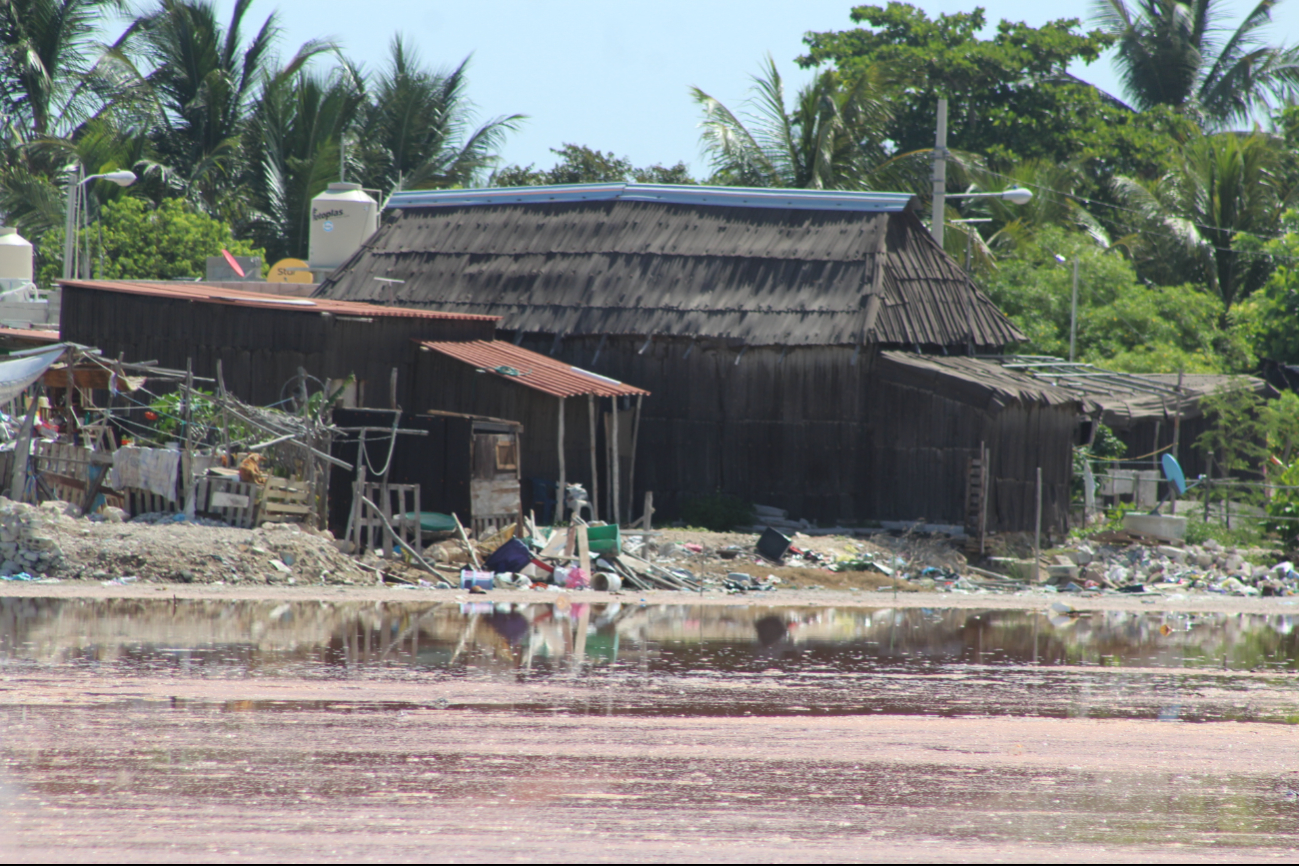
<point>1017,195</point>
<point>75,184</point>
<point>1073,307</point>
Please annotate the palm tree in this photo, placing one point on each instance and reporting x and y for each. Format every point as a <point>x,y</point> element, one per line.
<point>204,78</point>
<point>1169,54</point>
<point>416,133</point>
<point>833,139</point>
<point>293,148</point>
<point>52,68</point>
<point>1207,217</point>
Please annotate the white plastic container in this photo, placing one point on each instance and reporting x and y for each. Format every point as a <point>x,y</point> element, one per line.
<point>15,255</point>
<point>342,217</point>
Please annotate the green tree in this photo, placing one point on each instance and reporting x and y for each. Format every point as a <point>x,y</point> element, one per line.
<point>580,164</point>
<point>292,149</point>
<point>1272,314</point>
<point>1122,323</point>
<point>417,130</point>
<point>1170,52</point>
<point>1205,219</point>
<point>833,137</point>
<point>1010,96</point>
<point>134,241</point>
<point>204,77</point>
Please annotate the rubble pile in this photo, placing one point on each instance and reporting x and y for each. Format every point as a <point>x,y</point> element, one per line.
<point>53,542</point>
<point>1207,567</point>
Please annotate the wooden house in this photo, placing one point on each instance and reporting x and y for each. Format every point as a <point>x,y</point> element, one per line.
<point>769,326</point>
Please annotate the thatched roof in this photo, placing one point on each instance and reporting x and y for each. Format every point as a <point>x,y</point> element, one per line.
<point>760,267</point>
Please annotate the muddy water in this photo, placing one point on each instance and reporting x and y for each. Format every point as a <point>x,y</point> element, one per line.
<point>142,729</point>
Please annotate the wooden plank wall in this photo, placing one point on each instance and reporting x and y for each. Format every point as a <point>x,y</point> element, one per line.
<point>811,432</point>
<point>260,350</point>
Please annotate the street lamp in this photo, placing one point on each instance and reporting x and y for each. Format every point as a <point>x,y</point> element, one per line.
<point>1017,195</point>
<point>121,178</point>
<point>1073,306</point>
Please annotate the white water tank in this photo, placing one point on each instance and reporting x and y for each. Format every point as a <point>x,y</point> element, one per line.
<point>15,255</point>
<point>342,217</point>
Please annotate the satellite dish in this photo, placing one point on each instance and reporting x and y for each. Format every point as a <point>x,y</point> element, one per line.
<point>1173,472</point>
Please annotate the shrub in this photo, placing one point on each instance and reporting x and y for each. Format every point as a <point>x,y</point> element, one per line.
<point>719,512</point>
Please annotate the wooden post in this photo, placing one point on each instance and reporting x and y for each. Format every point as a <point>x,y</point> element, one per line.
<point>1177,432</point>
<point>1208,479</point>
<point>187,463</point>
<point>648,513</point>
<point>615,471</point>
<point>1037,531</point>
<point>595,478</point>
<point>631,469</point>
<point>563,475</point>
<point>583,549</point>
<point>392,389</point>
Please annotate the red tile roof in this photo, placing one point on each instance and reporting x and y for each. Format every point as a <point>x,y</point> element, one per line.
<point>531,369</point>
<point>209,294</point>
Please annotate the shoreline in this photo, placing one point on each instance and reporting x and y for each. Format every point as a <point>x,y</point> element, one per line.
<point>1027,600</point>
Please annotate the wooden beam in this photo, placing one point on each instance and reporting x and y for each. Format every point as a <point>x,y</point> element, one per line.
<point>631,470</point>
<point>615,470</point>
<point>595,478</point>
<point>563,477</point>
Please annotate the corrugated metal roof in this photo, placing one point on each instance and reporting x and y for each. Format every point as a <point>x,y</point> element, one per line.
<point>976,381</point>
<point>1128,398</point>
<point>724,196</point>
<point>757,275</point>
<point>29,335</point>
<point>213,295</point>
<point>532,370</point>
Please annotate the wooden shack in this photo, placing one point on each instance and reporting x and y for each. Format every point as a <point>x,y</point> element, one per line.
<point>465,465</point>
<point>758,319</point>
<point>261,340</point>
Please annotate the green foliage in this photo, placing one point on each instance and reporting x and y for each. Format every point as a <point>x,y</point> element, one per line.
<point>1203,219</point>
<point>133,241</point>
<point>1236,433</point>
<point>718,512</point>
<point>1243,532</point>
<point>1272,314</point>
<point>1010,95</point>
<point>1104,445</point>
<point>580,164</point>
<point>1175,54</point>
<point>1122,323</point>
<point>1283,508</point>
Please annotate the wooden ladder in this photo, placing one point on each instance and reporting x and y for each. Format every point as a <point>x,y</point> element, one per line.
<point>976,500</point>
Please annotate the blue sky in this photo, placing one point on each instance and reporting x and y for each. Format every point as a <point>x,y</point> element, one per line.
<point>614,74</point>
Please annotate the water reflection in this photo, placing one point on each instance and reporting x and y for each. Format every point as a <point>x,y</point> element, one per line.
<point>540,638</point>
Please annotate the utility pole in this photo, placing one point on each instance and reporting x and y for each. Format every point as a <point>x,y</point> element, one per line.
<point>940,173</point>
<point>1073,314</point>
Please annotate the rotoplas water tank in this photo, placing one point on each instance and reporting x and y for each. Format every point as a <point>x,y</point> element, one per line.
<point>342,217</point>
<point>15,255</point>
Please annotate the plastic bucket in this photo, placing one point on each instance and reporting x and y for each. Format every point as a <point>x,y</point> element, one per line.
<point>604,539</point>
<point>606,582</point>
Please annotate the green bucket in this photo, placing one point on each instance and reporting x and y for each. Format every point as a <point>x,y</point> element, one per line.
<point>604,539</point>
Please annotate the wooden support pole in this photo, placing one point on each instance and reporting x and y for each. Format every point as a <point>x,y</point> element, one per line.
<point>631,469</point>
<point>615,471</point>
<point>1037,531</point>
<point>187,462</point>
<point>563,475</point>
<point>392,389</point>
<point>648,514</point>
<point>595,477</point>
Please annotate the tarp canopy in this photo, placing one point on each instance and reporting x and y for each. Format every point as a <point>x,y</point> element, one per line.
<point>20,372</point>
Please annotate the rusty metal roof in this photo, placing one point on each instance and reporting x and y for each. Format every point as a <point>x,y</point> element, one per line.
<point>209,294</point>
<point>28,335</point>
<point>759,275</point>
<point>531,369</point>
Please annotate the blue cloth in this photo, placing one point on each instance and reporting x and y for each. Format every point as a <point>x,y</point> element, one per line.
<point>511,556</point>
